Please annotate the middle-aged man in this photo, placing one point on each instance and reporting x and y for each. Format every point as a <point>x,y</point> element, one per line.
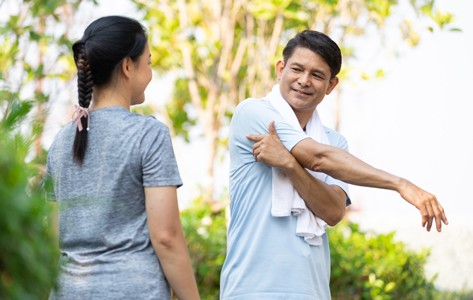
<point>287,174</point>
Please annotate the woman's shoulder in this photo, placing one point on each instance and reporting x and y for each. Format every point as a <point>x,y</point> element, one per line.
<point>63,134</point>
<point>142,121</point>
<point>148,127</point>
<point>151,121</point>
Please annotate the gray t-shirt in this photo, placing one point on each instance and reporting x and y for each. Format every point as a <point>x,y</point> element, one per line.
<point>106,252</point>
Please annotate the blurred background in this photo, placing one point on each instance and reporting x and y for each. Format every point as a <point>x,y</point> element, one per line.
<point>402,104</point>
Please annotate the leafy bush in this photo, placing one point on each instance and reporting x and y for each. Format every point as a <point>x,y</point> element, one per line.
<point>454,295</point>
<point>28,255</point>
<point>368,266</point>
<point>206,232</point>
<point>364,265</point>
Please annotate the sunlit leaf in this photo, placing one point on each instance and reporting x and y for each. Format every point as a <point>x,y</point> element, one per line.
<point>18,112</point>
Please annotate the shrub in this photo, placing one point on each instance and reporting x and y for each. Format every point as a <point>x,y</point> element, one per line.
<point>369,266</point>
<point>28,255</point>
<point>364,265</point>
<point>206,233</point>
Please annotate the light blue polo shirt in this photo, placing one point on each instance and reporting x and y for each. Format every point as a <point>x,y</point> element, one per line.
<point>265,259</point>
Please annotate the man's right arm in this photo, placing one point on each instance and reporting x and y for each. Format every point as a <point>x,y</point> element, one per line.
<point>346,167</point>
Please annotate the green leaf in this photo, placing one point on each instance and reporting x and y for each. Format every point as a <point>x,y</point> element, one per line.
<point>18,111</point>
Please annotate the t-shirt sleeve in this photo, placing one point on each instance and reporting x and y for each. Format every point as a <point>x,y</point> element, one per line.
<point>252,117</point>
<point>158,159</point>
<point>337,140</point>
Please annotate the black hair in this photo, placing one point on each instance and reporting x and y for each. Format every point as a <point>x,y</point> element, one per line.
<point>318,43</point>
<point>98,54</point>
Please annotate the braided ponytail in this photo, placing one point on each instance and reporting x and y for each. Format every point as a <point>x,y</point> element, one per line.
<point>84,87</point>
<point>98,55</point>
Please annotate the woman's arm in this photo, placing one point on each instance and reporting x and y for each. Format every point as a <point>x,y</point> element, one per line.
<point>168,240</point>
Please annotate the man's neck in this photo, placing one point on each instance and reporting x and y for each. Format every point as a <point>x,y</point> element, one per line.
<point>303,118</point>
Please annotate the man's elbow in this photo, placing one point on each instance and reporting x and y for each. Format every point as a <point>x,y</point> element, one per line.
<point>317,164</point>
<point>311,155</point>
<point>335,217</point>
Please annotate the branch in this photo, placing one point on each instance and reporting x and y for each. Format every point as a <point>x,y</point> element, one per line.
<point>187,58</point>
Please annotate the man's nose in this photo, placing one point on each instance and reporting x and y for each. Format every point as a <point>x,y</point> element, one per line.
<point>304,79</point>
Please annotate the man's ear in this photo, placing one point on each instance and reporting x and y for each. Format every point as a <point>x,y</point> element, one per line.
<point>331,85</point>
<point>279,68</point>
<point>127,67</point>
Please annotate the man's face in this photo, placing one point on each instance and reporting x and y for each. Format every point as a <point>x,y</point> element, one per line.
<point>304,81</point>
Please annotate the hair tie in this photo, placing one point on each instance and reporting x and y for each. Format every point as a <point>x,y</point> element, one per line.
<point>79,113</point>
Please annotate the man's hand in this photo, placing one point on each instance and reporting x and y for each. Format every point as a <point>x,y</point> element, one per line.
<point>269,149</point>
<point>426,203</point>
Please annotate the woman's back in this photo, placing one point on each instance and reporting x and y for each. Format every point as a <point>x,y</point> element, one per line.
<point>104,239</point>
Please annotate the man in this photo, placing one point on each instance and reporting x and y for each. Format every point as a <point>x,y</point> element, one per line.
<point>277,248</point>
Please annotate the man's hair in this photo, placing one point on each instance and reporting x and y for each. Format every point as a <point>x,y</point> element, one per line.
<point>318,43</point>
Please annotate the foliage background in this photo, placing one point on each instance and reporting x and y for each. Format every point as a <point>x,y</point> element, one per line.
<point>28,250</point>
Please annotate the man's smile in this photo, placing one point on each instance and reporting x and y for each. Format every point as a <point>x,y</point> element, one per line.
<point>302,92</point>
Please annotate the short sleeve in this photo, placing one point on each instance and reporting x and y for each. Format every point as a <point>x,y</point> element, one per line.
<point>337,140</point>
<point>158,160</point>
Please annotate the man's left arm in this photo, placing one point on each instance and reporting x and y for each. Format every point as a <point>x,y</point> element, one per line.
<point>342,165</point>
<point>326,201</point>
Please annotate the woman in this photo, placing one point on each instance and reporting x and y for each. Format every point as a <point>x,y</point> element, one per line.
<point>115,178</point>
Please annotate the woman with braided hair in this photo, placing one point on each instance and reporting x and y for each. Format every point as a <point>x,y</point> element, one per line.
<point>115,178</point>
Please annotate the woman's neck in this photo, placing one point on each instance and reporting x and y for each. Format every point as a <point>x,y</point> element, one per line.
<point>107,97</point>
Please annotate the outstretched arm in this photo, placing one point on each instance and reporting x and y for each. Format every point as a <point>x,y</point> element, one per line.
<point>344,166</point>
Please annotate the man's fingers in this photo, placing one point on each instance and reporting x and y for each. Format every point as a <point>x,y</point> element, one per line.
<point>428,206</point>
<point>431,215</point>
<point>255,138</point>
<point>272,129</point>
<point>440,216</point>
<point>425,216</point>
<point>424,220</point>
<point>438,222</point>
<point>441,212</point>
<point>444,218</point>
<point>433,211</point>
<point>438,219</point>
<point>429,223</point>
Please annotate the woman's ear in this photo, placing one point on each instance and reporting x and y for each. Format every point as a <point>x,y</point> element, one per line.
<point>127,67</point>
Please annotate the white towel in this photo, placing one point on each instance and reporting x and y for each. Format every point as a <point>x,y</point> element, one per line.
<point>285,198</point>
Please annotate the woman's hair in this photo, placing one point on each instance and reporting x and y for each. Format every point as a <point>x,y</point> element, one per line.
<point>318,43</point>
<point>98,55</point>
